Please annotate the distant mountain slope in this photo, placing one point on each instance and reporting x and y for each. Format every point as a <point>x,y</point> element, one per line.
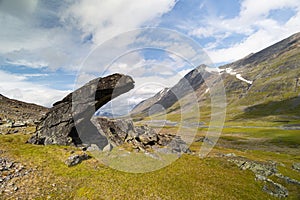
<point>148,102</point>
<point>169,97</point>
<point>11,109</point>
<point>271,75</point>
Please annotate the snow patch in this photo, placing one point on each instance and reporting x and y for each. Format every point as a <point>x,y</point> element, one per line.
<point>238,76</point>
<point>228,71</point>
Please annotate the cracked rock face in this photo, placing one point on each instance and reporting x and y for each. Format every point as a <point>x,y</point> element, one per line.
<point>68,121</point>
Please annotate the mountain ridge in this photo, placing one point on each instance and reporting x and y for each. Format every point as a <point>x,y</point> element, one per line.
<point>270,74</point>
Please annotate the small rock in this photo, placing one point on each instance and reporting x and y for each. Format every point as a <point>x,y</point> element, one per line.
<point>18,124</point>
<point>93,147</point>
<point>260,177</point>
<point>288,179</point>
<point>296,166</point>
<point>9,165</point>
<point>230,155</point>
<point>83,148</point>
<point>76,159</point>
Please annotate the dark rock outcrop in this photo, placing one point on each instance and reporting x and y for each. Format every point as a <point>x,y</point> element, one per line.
<point>68,121</point>
<point>122,131</point>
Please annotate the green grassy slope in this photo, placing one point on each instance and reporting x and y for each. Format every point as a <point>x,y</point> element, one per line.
<point>188,178</point>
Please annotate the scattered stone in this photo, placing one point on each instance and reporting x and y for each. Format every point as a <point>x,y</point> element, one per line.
<point>11,171</point>
<point>146,135</point>
<point>122,131</point>
<point>296,166</point>
<point>260,168</point>
<point>262,171</point>
<point>275,189</point>
<point>230,155</point>
<point>260,177</point>
<point>18,124</point>
<point>204,139</point>
<point>177,145</point>
<point>76,109</point>
<point>288,179</point>
<point>76,159</point>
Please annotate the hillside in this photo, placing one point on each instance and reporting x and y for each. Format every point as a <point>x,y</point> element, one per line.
<point>16,115</point>
<point>262,85</point>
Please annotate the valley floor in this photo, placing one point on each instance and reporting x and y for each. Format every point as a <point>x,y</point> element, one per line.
<point>189,177</point>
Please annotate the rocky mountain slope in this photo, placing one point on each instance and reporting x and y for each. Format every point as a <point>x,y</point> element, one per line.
<point>265,84</point>
<point>168,97</point>
<point>17,115</point>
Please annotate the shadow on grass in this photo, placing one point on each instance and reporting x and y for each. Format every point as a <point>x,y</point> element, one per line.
<point>289,106</point>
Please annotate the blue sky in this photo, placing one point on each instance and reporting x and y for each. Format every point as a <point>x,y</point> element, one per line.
<point>48,48</point>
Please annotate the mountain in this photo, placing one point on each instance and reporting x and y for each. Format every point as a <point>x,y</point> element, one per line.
<point>14,110</point>
<point>265,84</point>
<point>167,97</point>
<point>140,107</point>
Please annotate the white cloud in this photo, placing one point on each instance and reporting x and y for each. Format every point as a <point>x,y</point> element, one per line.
<point>254,23</point>
<point>35,32</point>
<point>35,64</point>
<point>17,87</point>
<point>19,8</point>
<point>251,10</point>
<point>115,16</point>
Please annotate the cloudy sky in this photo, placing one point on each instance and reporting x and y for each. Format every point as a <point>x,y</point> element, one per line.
<point>50,47</point>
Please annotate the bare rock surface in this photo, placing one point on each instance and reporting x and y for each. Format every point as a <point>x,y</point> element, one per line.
<point>68,121</point>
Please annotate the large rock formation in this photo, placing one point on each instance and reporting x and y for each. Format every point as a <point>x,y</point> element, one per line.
<point>122,131</point>
<point>68,121</point>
